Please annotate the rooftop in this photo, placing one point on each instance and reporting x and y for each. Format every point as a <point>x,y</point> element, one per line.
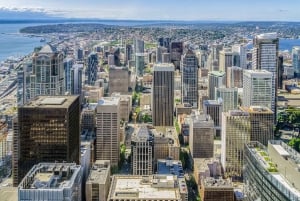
<point>99,172</point>
<point>162,187</point>
<point>51,101</point>
<point>217,73</point>
<point>48,49</point>
<point>164,67</point>
<point>50,176</point>
<point>108,101</point>
<point>258,73</point>
<point>284,178</point>
<point>267,36</point>
<point>257,109</point>
<point>217,183</point>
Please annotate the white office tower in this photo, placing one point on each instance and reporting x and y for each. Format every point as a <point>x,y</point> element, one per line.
<point>235,134</point>
<point>296,61</point>
<point>241,50</point>
<point>216,79</point>
<point>265,57</point>
<point>258,88</point>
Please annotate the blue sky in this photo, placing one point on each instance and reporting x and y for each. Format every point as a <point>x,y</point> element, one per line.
<point>161,9</point>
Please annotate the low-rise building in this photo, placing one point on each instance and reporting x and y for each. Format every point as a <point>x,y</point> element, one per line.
<point>52,181</point>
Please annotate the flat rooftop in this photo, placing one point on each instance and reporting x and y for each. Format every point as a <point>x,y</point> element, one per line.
<point>257,109</point>
<point>50,176</point>
<point>99,172</point>
<point>139,187</point>
<point>164,67</point>
<point>217,73</point>
<point>51,102</point>
<point>108,101</point>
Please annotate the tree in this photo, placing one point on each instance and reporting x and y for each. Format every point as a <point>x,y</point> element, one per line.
<point>295,143</point>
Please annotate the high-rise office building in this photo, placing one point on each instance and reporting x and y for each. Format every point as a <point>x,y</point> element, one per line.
<point>225,59</point>
<point>265,57</point>
<point>118,80</point>
<point>47,130</point>
<point>76,79</point>
<point>296,61</point>
<point>235,134</point>
<point>108,130</point>
<point>258,88</point>
<point>142,152</point>
<point>272,172</point>
<point>128,53</point>
<point>280,71</point>
<point>47,76</point>
<point>229,98</point>
<point>176,51</point>
<point>92,68</point>
<point>159,52</point>
<point>68,64</point>
<point>139,57</point>
<point>261,123</point>
<point>163,95</point>
<point>216,79</point>
<point>52,181</point>
<point>79,54</point>
<point>234,77</point>
<point>201,135</point>
<point>189,79</point>
<point>214,108</point>
<point>241,51</point>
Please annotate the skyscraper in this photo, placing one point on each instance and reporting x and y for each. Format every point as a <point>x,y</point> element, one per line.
<point>216,79</point>
<point>108,130</point>
<point>229,98</point>
<point>128,53</point>
<point>176,52</point>
<point>118,80</point>
<point>265,57</point>
<point>241,50</point>
<point>189,79</point>
<point>257,88</point>
<point>201,137</point>
<point>225,59</point>
<point>92,68</point>
<point>235,134</point>
<point>139,57</point>
<point>142,152</point>
<point>234,77</point>
<point>296,61</point>
<point>68,64</point>
<point>76,79</point>
<point>163,95</point>
<point>47,76</point>
<point>280,71</point>
<point>47,130</point>
<point>214,108</point>
<point>261,123</point>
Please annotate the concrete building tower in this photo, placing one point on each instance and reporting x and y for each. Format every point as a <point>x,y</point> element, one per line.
<point>163,95</point>
<point>229,97</point>
<point>189,79</point>
<point>108,130</point>
<point>76,79</point>
<point>201,137</point>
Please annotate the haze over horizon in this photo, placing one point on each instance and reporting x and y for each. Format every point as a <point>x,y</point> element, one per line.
<point>231,10</point>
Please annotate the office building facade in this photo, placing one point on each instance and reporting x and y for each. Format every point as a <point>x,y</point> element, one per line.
<point>92,68</point>
<point>296,61</point>
<point>47,76</point>
<point>189,79</point>
<point>163,95</point>
<point>216,79</point>
<point>47,129</point>
<point>229,98</point>
<point>108,130</point>
<point>235,134</point>
<point>265,57</point>
<point>257,88</point>
<point>271,172</point>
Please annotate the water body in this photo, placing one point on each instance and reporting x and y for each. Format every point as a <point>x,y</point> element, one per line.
<point>12,43</point>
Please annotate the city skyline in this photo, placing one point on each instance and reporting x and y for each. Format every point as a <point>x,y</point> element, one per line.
<point>155,10</point>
